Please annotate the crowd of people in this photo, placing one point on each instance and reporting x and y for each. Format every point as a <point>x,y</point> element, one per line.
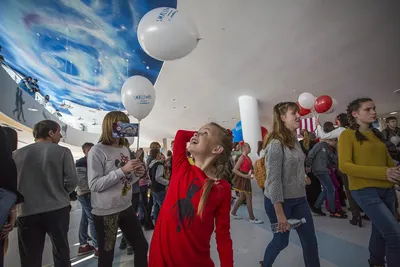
<point>187,195</point>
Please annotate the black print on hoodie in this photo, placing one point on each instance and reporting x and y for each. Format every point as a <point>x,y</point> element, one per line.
<point>126,180</point>
<point>183,210</point>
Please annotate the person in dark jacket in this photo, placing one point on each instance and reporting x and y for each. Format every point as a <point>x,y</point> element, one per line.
<point>314,189</point>
<point>9,196</point>
<point>391,137</point>
<point>319,159</point>
<point>84,197</point>
<point>158,182</point>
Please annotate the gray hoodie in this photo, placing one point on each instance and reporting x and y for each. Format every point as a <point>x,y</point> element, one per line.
<point>111,188</point>
<point>320,158</point>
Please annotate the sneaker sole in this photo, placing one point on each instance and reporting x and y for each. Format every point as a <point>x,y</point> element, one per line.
<point>85,253</point>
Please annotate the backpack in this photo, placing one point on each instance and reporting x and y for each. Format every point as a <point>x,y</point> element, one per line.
<point>260,172</point>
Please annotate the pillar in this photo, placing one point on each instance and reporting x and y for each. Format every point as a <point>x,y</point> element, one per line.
<point>165,146</point>
<point>251,127</point>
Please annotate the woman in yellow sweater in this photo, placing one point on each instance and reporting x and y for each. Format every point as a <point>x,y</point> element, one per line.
<point>372,174</point>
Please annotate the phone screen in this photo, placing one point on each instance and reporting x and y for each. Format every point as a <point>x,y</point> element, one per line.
<point>121,130</point>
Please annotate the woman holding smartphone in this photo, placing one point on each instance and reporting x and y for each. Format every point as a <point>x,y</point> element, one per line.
<point>111,174</point>
<point>285,194</point>
<point>363,156</point>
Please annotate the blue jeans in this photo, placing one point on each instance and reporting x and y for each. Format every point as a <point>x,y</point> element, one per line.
<point>379,205</point>
<point>327,192</point>
<point>158,198</point>
<point>86,219</point>
<point>295,208</point>
<point>7,200</point>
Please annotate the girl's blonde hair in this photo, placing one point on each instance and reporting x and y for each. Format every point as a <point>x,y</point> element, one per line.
<point>107,127</point>
<point>222,165</point>
<point>280,132</point>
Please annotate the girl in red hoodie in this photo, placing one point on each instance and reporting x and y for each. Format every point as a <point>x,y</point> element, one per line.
<point>198,196</point>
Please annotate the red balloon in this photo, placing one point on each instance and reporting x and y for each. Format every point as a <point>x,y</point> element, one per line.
<point>323,104</point>
<point>264,132</point>
<point>303,111</point>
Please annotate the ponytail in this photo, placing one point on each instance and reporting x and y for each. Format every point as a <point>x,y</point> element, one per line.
<point>223,172</point>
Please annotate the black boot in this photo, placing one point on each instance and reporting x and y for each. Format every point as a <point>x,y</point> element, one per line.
<point>356,220</point>
<point>375,265</point>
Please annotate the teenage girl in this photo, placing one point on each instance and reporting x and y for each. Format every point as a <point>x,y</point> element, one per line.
<point>111,174</point>
<point>199,196</point>
<point>372,174</point>
<point>285,194</point>
<point>243,171</point>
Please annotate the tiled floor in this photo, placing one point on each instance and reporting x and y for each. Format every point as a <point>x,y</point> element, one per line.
<point>340,244</point>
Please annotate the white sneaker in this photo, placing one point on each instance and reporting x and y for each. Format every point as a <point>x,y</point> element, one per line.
<point>256,221</point>
<point>236,217</point>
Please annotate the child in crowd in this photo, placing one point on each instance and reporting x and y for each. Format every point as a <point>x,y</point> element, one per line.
<point>199,196</point>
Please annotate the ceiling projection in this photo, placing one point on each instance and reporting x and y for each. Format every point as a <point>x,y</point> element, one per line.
<point>81,51</point>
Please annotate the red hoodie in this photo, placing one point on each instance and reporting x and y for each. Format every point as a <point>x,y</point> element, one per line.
<point>181,238</point>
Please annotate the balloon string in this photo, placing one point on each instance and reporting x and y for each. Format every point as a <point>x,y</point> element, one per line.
<point>314,113</point>
<point>137,145</point>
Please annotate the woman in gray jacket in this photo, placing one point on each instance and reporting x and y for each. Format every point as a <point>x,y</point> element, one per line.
<point>285,194</point>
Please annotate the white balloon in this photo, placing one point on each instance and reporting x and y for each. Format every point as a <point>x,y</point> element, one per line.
<point>307,100</point>
<point>166,34</point>
<point>131,140</point>
<point>138,96</point>
<point>333,107</point>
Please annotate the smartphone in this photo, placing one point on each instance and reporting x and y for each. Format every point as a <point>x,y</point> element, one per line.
<point>121,130</point>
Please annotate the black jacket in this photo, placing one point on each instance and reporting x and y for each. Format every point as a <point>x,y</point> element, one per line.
<point>8,170</point>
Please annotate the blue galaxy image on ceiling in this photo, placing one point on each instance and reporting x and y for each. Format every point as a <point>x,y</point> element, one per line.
<point>79,50</point>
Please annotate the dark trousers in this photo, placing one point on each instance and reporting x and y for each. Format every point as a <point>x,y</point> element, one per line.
<point>379,205</point>
<point>135,206</point>
<point>106,230</point>
<point>145,216</point>
<point>296,208</point>
<point>313,190</point>
<point>353,206</point>
<point>2,252</point>
<point>32,232</point>
<point>150,205</point>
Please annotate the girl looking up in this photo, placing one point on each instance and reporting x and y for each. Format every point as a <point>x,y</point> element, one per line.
<point>198,196</point>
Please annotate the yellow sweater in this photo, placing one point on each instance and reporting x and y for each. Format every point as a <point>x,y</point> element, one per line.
<point>366,163</point>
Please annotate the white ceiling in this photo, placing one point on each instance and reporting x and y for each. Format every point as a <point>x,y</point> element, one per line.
<point>274,50</point>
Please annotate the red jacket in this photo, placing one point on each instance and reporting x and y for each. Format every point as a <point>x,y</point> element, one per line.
<point>181,238</point>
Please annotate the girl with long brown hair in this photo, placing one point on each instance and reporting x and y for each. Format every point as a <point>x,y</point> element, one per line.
<point>372,173</point>
<point>285,194</point>
<point>198,196</point>
<point>314,188</point>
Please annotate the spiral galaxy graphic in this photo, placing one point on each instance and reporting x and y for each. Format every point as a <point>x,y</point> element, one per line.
<point>79,50</point>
